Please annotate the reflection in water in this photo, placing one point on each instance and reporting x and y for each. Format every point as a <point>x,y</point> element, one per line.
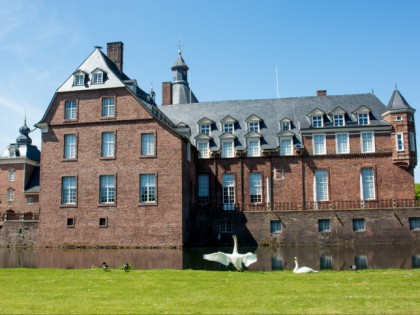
<point>276,259</point>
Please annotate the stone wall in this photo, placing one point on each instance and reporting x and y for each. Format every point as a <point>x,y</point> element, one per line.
<point>18,233</point>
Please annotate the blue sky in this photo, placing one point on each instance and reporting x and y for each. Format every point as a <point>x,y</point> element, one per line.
<point>232,48</point>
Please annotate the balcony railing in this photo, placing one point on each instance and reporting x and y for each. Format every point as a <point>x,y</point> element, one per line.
<point>313,205</point>
<point>19,216</point>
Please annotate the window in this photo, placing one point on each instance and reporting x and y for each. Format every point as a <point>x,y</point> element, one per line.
<point>70,222</point>
<point>415,261</point>
<point>338,120</point>
<point>79,79</point>
<point>398,118</point>
<point>108,108</point>
<point>12,153</point>
<point>363,119</point>
<point>147,188</point>
<point>70,146</point>
<point>412,142</point>
<point>321,185</point>
<point>275,226</point>
<point>11,175</point>
<point>103,222</point>
<point>368,142</point>
<point>108,144</point>
<point>399,141</point>
<point>276,263</point>
<point>189,152</point>
<point>317,121</point>
<point>358,225</point>
<point>70,110</point>
<point>253,147</point>
<point>228,127</point>
<point>10,194</point>
<point>319,144</point>
<point>360,262</point>
<point>324,225</point>
<point>228,191</point>
<point>255,187</point>
<point>97,77</point>
<point>225,226</point>
<point>148,144</point>
<point>203,148</point>
<point>254,126</point>
<point>203,189</point>
<point>205,129</point>
<point>414,224</point>
<point>68,190</point>
<point>107,189</point>
<point>227,149</point>
<point>29,201</point>
<point>286,146</point>
<point>342,142</point>
<point>325,262</point>
<point>285,125</point>
<point>367,181</point>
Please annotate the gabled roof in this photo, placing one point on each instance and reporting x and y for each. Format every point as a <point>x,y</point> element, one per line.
<point>253,134</point>
<point>337,111</point>
<point>285,133</point>
<point>253,117</point>
<point>316,112</point>
<point>228,119</point>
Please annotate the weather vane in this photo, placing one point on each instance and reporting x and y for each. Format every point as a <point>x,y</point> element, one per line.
<point>179,46</point>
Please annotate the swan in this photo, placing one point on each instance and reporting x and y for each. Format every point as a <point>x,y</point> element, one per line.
<point>235,258</point>
<point>302,269</point>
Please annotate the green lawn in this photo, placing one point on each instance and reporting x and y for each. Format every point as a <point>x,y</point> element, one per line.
<point>94,291</point>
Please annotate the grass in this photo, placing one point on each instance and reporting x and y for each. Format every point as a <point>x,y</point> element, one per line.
<point>94,291</point>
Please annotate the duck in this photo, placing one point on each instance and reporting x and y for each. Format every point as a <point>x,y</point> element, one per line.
<point>235,258</point>
<point>302,269</point>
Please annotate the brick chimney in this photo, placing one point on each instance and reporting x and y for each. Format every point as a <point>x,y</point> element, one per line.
<point>166,93</point>
<point>321,93</point>
<point>115,52</point>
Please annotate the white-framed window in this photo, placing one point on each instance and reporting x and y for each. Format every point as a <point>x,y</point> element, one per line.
<point>203,189</point>
<point>363,118</point>
<point>79,79</point>
<point>368,142</point>
<point>414,223</point>
<point>285,125</point>
<point>148,144</point>
<point>108,144</point>
<point>11,175</point>
<point>225,226</point>
<point>227,149</point>
<point>12,153</point>
<point>412,142</point>
<point>29,201</point>
<point>68,190</point>
<point>367,183</point>
<point>286,146</point>
<point>398,118</point>
<point>255,187</point>
<point>147,188</point>
<point>228,183</point>
<point>70,110</point>
<point>107,189</point>
<point>205,129</point>
<point>324,225</point>
<point>228,127</point>
<point>69,146</point>
<point>253,147</point>
<point>203,148</point>
<point>319,144</point>
<point>317,121</point>
<point>359,225</point>
<point>342,143</point>
<point>254,126</point>
<point>321,185</point>
<point>399,140</point>
<point>97,77</point>
<point>339,120</point>
<point>108,107</point>
<point>10,194</point>
<point>275,226</point>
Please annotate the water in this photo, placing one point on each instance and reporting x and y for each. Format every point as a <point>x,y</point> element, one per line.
<point>269,259</point>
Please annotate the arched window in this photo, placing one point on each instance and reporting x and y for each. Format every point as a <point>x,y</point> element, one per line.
<point>12,175</point>
<point>10,194</point>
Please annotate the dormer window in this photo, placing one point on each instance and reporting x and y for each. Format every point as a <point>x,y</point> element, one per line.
<point>254,126</point>
<point>228,127</point>
<point>97,77</point>
<point>79,78</point>
<point>317,121</point>
<point>363,118</point>
<point>339,120</point>
<point>285,125</point>
<point>205,126</point>
<point>205,129</point>
<point>228,124</point>
<point>12,152</point>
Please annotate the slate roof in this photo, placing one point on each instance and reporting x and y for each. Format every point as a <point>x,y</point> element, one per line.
<point>272,111</point>
<point>398,102</point>
<point>33,184</point>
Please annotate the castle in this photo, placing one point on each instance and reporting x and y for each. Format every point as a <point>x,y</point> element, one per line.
<point>119,170</point>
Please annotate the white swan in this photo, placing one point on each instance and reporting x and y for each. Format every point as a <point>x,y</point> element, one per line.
<point>302,269</point>
<point>235,258</point>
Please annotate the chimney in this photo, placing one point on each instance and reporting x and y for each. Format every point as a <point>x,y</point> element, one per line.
<point>115,53</point>
<point>166,93</point>
<point>321,93</point>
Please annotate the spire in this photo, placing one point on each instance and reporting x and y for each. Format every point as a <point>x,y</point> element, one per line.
<point>24,134</point>
<point>398,102</point>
